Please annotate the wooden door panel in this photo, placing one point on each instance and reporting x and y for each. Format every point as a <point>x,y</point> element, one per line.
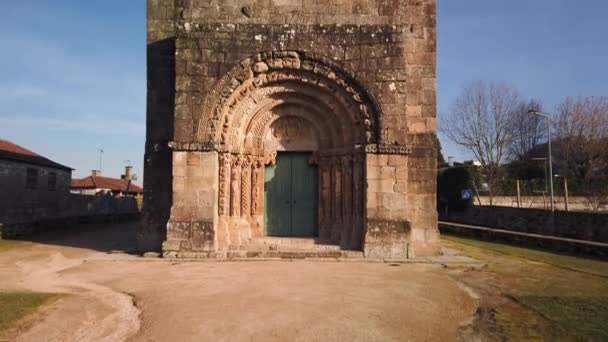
<point>304,196</point>
<point>291,197</point>
<point>277,197</point>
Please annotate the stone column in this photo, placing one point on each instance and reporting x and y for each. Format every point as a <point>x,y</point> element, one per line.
<point>347,201</point>
<point>356,240</point>
<point>257,198</point>
<point>325,199</point>
<point>235,202</point>
<point>224,200</point>
<point>245,199</point>
<point>336,185</point>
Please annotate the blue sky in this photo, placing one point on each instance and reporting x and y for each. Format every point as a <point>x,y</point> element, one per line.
<point>72,73</point>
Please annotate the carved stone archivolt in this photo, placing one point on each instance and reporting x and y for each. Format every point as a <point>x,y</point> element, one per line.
<point>275,78</point>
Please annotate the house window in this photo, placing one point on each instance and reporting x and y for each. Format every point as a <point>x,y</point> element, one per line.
<point>31,180</point>
<point>52,181</point>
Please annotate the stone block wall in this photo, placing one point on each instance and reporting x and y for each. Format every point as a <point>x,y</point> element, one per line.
<point>387,46</point>
<point>194,209</point>
<point>19,202</point>
<point>573,225</point>
<point>76,209</point>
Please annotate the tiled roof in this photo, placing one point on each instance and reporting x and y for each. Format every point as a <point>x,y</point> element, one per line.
<point>13,152</point>
<point>98,182</point>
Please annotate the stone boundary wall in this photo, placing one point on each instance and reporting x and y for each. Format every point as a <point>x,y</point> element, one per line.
<point>79,209</point>
<point>572,225</point>
<point>550,243</point>
<point>575,203</point>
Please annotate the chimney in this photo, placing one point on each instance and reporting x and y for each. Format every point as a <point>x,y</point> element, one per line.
<point>128,176</point>
<point>450,161</point>
<point>96,173</point>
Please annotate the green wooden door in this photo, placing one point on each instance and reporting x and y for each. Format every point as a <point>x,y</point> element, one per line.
<point>290,197</point>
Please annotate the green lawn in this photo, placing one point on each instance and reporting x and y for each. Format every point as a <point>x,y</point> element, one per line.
<point>8,244</point>
<point>554,297</point>
<point>584,316</point>
<point>585,265</point>
<point>14,306</point>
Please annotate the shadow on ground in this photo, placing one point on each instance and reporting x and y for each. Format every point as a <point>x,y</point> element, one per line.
<point>103,237</point>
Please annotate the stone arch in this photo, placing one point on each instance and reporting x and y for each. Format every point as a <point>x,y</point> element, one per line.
<point>286,74</point>
<point>275,95</point>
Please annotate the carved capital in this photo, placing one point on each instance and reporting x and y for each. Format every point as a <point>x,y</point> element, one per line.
<point>237,161</point>
<point>225,158</point>
<point>314,159</point>
<point>247,161</point>
<point>271,159</point>
<point>347,161</point>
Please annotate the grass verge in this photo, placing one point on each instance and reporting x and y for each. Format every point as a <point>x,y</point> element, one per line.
<point>579,264</point>
<point>553,297</point>
<point>8,244</point>
<point>14,306</point>
<point>584,315</point>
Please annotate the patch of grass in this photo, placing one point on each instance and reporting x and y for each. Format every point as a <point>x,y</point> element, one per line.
<point>553,297</point>
<point>584,316</point>
<point>14,306</point>
<point>521,324</point>
<point>8,244</point>
<point>564,261</point>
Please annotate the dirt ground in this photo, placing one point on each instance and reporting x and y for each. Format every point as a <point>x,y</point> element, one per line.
<point>114,296</point>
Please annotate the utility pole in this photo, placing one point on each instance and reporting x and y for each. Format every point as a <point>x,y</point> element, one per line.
<point>549,138</point>
<point>100,159</point>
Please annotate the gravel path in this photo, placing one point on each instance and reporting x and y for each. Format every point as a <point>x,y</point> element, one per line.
<point>115,297</point>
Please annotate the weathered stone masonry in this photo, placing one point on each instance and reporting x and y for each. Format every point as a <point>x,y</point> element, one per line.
<point>231,83</point>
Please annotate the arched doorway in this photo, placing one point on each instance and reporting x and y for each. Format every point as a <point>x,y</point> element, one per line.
<point>302,116</point>
<point>291,193</point>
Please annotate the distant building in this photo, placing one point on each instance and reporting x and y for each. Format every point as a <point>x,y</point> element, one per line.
<point>95,184</point>
<point>31,185</point>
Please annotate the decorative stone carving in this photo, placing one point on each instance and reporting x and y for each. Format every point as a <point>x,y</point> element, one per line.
<point>257,183</point>
<point>388,149</point>
<point>325,190</point>
<point>290,128</point>
<point>358,182</point>
<point>336,172</point>
<point>245,184</point>
<point>314,159</point>
<point>347,172</point>
<point>271,158</point>
<point>290,133</point>
<point>224,183</point>
<point>271,67</point>
<point>235,182</point>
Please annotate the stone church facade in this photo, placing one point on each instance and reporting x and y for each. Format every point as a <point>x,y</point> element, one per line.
<point>291,119</point>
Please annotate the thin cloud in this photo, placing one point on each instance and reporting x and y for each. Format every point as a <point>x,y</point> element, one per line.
<point>93,126</point>
<point>18,91</point>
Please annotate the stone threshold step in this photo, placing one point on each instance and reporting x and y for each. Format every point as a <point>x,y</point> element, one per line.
<point>278,254</point>
<point>289,244</point>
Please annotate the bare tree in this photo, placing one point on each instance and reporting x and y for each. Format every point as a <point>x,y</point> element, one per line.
<point>582,145</point>
<point>529,131</point>
<point>481,121</point>
<point>582,137</point>
<point>596,195</point>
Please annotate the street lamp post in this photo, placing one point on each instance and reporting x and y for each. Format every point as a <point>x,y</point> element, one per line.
<point>534,112</point>
<point>544,160</point>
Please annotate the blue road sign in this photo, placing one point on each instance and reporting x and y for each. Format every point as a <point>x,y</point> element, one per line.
<point>467,194</point>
